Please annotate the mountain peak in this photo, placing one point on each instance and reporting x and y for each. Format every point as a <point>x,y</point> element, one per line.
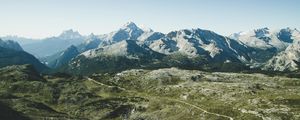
<point>291,30</point>
<point>69,31</point>
<point>70,34</point>
<point>128,31</point>
<point>72,47</point>
<point>130,25</point>
<point>265,29</point>
<point>92,36</point>
<point>262,32</point>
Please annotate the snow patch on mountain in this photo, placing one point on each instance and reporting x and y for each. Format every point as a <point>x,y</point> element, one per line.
<point>263,38</point>
<point>129,31</point>
<point>195,42</point>
<point>285,60</point>
<point>128,48</point>
<point>164,46</point>
<point>212,49</point>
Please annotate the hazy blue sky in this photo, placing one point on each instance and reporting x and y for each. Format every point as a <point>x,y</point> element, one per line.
<point>42,18</point>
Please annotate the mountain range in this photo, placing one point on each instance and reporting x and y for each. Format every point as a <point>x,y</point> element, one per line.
<point>48,46</point>
<point>278,48</point>
<point>135,47</point>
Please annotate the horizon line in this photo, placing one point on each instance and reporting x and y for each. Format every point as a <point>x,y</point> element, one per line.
<point>141,26</point>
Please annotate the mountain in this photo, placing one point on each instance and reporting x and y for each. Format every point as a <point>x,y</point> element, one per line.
<point>149,37</point>
<point>265,38</point>
<point>13,57</point>
<point>53,45</point>
<point>12,54</point>
<point>61,58</point>
<point>130,31</point>
<point>91,42</point>
<point>125,38</point>
<point>70,34</point>
<point>21,40</point>
<point>116,57</point>
<point>127,48</point>
<point>206,43</point>
<point>287,60</point>
<point>9,44</point>
<point>271,47</point>
<point>54,61</point>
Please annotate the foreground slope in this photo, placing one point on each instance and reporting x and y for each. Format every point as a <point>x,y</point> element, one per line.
<point>149,94</point>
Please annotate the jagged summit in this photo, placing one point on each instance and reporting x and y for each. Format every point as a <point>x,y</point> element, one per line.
<point>52,45</point>
<point>92,35</point>
<point>130,25</point>
<point>70,34</point>
<point>262,32</point>
<point>129,31</point>
<point>133,26</point>
<point>69,31</point>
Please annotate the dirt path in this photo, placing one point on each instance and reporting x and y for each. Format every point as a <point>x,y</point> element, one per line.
<point>205,111</point>
<point>99,83</point>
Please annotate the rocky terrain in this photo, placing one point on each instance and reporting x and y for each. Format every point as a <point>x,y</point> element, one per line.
<point>169,94</point>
